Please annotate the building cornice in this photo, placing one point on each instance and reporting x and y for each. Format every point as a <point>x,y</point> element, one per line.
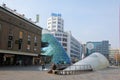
<point>19,17</point>
<point>17,52</point>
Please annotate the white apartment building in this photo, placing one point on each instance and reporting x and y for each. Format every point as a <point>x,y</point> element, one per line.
<point>55,24</point>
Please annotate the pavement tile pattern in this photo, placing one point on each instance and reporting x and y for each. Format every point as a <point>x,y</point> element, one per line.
<point>35,73</point>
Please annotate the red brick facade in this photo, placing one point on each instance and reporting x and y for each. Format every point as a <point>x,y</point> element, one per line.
<point>13,25</point>
<point>18,34</point>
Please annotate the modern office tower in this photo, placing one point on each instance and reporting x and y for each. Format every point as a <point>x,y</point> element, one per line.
<point>20,38</point>
<point>101,47</point>
<point>55,24</point>
<point>75,48</point>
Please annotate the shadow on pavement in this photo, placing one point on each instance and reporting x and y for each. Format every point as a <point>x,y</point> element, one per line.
<point>22,68</point>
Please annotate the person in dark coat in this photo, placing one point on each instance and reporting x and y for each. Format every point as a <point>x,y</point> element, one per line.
<point>43,66</point>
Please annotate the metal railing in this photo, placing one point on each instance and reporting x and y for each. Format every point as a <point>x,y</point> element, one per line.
<point>74,69</point>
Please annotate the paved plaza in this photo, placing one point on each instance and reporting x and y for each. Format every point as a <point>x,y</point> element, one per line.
<point>35,73</point>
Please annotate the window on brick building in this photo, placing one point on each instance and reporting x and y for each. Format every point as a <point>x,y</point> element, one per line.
<point>10,39</point>
<point>28,42</point>
<point>20,34</point>
<point>0,27</point>
<point>28,47</point>
<point>35,43</point>
<point>9,44</point>
<point>0,31</point>
<point>20,40</point>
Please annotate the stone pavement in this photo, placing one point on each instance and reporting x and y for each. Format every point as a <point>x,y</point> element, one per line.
<point>35,73</point>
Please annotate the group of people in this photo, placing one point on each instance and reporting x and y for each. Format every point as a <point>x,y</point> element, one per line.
<point>53,68</point>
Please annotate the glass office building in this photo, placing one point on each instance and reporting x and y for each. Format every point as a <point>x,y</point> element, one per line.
<point>101,47</point>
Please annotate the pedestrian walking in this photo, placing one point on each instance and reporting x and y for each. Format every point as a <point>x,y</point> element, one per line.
<point>43,67</point>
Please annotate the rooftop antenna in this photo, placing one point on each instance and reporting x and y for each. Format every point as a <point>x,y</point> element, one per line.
<point>3,5</point>
<point>37,18</point>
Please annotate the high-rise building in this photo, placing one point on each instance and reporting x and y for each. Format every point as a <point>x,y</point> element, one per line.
<point>55,24</point>
<point>101,47</point>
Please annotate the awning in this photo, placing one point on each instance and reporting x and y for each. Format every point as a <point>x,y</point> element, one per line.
<point>18,52</point>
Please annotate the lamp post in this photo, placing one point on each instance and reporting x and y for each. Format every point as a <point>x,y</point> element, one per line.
<point>119,34</point>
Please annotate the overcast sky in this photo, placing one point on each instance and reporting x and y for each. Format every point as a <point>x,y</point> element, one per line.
<point>88,20</point>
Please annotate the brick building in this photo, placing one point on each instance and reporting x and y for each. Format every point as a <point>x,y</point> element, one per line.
<point>20,38</point>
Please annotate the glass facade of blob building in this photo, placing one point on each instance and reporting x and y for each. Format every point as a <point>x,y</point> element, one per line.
<point>54,49</point>
<point>101,47</point>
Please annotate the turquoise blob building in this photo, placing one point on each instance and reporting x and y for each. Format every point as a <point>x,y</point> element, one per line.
<point>54,48</point>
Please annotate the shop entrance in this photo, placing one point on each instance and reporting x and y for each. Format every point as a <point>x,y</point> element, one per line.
<point>1,59</point>
<point>8,59</point>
